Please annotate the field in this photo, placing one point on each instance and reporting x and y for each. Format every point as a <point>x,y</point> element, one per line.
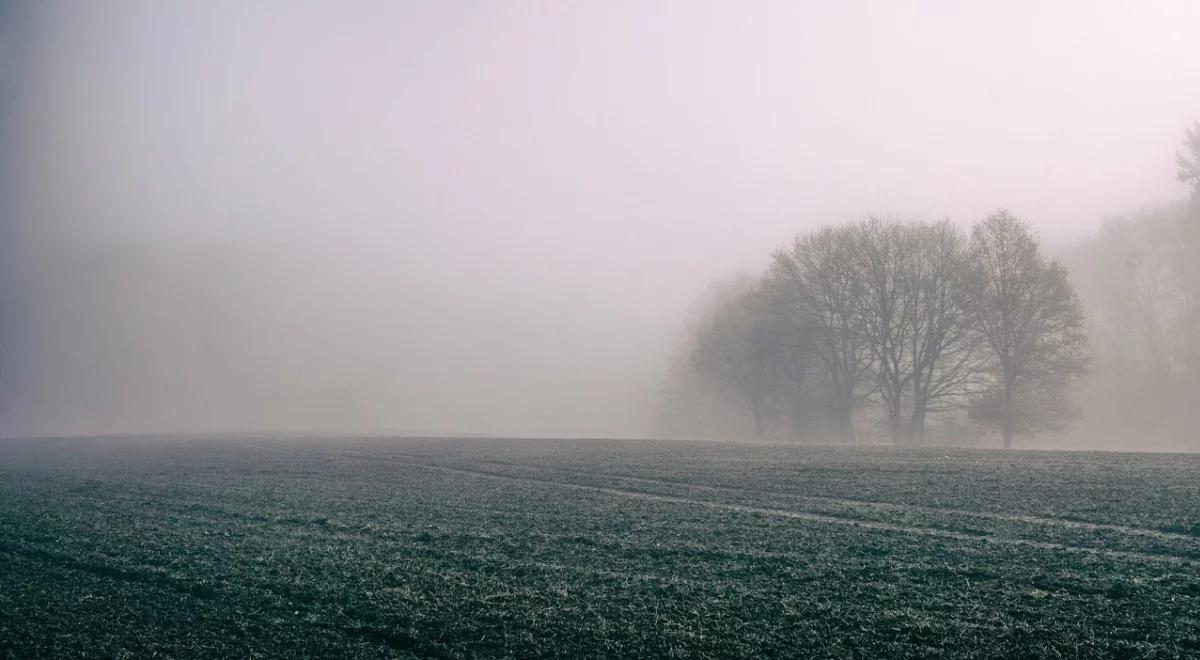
<point>268,547</point>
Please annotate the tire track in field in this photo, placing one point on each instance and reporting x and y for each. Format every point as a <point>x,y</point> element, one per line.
<point>1159,535</point>
<point>146,576</point>
<point>789,514</point>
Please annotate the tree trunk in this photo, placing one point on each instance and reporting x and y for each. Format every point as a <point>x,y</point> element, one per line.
<point>895,427</point>
<point>759,423</point>
<point>916,429</point>
<point>920,407</point>
<point>1008,417</point>
<point>845,427</point>
<point>895,419</point>
<point>844,406</point>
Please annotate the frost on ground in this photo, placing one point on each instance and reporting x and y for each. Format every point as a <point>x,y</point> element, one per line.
<point>524,548</point>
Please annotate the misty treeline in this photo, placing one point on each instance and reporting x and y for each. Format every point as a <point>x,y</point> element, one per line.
<point>897,321</point>
<point>917,332</point>
<point>1140,278</point>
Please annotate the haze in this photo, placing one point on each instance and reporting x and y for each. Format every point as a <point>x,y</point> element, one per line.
<point>493,218</point>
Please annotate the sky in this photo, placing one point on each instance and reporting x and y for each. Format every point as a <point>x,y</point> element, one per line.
<point>492,217</point>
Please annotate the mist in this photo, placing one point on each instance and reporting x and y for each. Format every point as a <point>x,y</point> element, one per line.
<point>494,218</point>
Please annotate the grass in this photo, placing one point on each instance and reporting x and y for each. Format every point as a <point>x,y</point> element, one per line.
<point>528,549</point>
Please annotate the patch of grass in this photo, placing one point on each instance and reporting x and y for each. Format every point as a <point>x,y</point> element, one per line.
<point>540,549</point>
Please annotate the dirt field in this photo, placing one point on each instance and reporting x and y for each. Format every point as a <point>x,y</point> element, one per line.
<point>523,548</point>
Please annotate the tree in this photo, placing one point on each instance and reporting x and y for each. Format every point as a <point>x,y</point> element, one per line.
<point>740,349</point>
<point>945,340</point>
<point>1145,351</point>
<point>1186,254</point>
<point>1189,160</point>
<point>883,258</point>
<point>914,315</point>
<point>1140,279</point>
<point>791,344</point>
<point>1032,323</point>
<point>814,285</point>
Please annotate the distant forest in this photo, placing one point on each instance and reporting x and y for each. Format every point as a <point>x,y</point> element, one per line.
<point>912,332</point>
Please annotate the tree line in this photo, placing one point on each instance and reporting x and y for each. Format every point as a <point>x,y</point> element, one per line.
<point>907,318</point>
<point>1140,279</point>
<point>882,326</point>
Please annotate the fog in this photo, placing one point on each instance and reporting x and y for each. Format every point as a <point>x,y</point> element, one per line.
<point>494,218</point>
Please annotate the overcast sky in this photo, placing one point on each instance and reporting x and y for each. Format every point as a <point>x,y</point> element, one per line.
<point>490,217</point>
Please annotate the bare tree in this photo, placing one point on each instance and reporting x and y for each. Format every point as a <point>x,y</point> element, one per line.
<point>1142,347</point>
<point>815,286</point>
<point>914,315</point>
<point>1185,257</point>
<point>791,344</point>
<point>739,348</point>
<point>1189,160</point>
<point>1032,322</point>
<point>884,260</point>
<point>945,339</point>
